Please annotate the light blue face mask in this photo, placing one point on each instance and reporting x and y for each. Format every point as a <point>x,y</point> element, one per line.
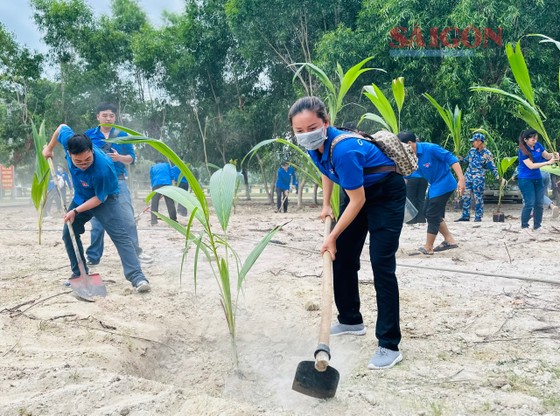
<point>311,140</point>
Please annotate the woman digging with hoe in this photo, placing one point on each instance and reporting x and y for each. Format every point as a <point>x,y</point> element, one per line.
<point>373,201</point>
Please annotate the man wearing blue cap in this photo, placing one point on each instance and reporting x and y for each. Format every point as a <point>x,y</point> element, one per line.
<point>479,159</point>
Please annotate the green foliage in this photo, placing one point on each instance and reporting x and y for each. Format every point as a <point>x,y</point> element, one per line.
<point>215,247</point>
<point>452,120</point>
<point>334,95</point>
<point>526,108</point>
<point>41,177</point>
<point>388,119</point>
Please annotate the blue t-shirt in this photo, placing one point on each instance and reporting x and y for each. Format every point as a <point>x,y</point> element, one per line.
<point>100,179</point>
<point>160,174</point>
<point>433,164</point>
<point>349,159</point>
<point>285,178</point>
<point>98,139</point>
<point>175,173</point>
<point>524,171</point>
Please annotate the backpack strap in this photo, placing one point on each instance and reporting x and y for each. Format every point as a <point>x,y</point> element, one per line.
<point>367,171</point>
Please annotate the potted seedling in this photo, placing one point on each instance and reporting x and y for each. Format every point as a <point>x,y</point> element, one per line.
<point>503,164</point>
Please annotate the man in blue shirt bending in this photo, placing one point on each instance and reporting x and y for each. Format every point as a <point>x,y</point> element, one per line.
<point>96,194</point>
<point>434,163</point>
<point>286,178</point>
<point>122,155</point>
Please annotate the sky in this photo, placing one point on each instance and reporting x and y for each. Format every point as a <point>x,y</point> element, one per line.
<point>17,17</point>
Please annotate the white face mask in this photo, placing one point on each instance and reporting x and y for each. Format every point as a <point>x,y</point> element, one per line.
<point>311,140</point>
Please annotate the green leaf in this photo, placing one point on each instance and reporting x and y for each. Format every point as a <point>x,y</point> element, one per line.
<point>445,114</point>
<point>136,138</point>
<point>185,198</point>
<point>398,92</point>
<point>376,118</point>
<point>255,253</point>
<point>382,105</point>
<point>222,190</point>
<point>520,71</point>
<point>555,170</point>
<point>350,77</point>
<point>506,163</point>
<point>319,73</point>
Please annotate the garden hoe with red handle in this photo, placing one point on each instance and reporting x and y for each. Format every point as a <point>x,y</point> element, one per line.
<point>317,378</point>
<point>85,286</point>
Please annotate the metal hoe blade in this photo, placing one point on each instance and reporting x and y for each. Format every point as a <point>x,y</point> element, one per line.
<point>86,287</point>
<point>318,384</point>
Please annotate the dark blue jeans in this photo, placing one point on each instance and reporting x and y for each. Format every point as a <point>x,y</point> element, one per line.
<point>95,249</point>
<point>279,197</point>
<point>382,216</point>
<point>111,216</point>
<point>533,197</point>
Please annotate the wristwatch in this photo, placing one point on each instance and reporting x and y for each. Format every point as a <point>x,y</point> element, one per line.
<point>75,211</point>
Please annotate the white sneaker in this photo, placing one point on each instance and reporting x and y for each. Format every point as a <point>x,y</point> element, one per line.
<point>145,258</point>
<point>143,287</point>
<point>555,211</point>
<point>384,358</point>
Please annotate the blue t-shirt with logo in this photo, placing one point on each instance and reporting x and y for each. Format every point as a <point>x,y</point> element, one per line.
<point>350,158</point>
<point>524,171</point>
<point>99,179</point>
<point>434,165</point>
<point>98,139</point>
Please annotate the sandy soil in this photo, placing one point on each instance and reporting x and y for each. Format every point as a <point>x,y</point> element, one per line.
<point>474,342</point>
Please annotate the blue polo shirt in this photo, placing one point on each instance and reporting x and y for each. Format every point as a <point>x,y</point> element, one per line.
<point>98,139</point>
<point>175,173</point>
<point>524,171</point>
<point>285,178</point>
<point>100,179</point>
<point>160,174</point>
<point>433,164</point>
<point>349,159</point>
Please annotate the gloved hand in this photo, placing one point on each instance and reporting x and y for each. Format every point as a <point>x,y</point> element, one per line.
<point>504,182</point>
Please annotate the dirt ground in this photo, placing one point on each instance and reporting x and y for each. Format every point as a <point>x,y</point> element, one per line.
<point>479,336</point>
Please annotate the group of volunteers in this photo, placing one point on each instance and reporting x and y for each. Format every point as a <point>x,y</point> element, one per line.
<point>101,195</point>
<point>373,200</point>
<point>373,197</point>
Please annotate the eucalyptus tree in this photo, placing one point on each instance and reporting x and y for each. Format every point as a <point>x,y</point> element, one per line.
<point>20,97</point>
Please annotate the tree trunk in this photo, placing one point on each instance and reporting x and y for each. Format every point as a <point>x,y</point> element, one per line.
<point>246,181</point>
<point>315,189</point>
<point>300,194</point>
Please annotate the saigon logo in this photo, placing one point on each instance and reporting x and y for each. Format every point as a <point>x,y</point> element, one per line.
<point>449,41</point>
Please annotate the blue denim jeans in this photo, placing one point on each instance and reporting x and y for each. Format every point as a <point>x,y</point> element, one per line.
<point>533,197</point>
<point>111,216</point>
<point>382,216</point>
<point>95,250</point>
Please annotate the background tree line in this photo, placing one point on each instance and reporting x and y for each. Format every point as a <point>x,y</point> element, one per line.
<point>218,78</point>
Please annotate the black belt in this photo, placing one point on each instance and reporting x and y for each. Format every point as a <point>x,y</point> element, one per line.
<point>379,169</point>
<point>121,176</point>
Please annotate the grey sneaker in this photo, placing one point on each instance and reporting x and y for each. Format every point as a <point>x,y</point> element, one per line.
<point>384,358</point>
<point>343,329</point>
<point>143,287</point>
<point>145,258</point>
<point>555,211</point>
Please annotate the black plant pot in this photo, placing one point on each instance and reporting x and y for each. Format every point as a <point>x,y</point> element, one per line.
<point>498,217</point>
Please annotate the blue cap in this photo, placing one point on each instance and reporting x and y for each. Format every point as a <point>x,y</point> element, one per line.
<point>477,136</point>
